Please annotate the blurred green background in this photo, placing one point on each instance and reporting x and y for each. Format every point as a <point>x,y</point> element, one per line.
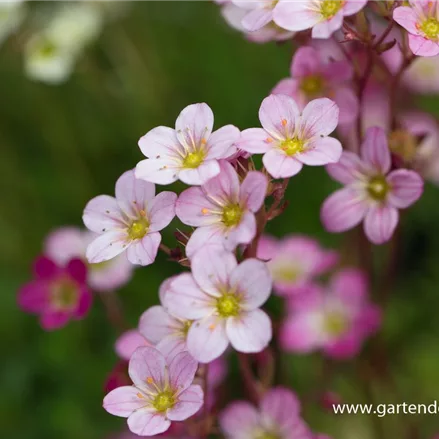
<point>62,145</point>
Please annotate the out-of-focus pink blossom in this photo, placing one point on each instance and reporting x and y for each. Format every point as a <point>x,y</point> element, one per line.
<point>223,209</point>
<point>189,153</point>
<point>278,416</point>
<point>57,294</point>
<point>421,19</point>
<point>223,299</point>
<point>324,17</point>
<point>314,77</point>
<point>234,15</point>
<point>118,377</point>
<point>67,243</point>
<point>130,222</point>
<point>291,138</point>
<point>128,342</point>
<point>336,320</point>
<point>294,262</point>
<point>162,392</point>
<point>372,191</point>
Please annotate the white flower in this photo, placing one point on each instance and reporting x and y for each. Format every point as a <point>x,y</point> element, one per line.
<point>11,16</point>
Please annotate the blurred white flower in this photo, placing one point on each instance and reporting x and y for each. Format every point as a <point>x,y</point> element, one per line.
<point>12,14</point>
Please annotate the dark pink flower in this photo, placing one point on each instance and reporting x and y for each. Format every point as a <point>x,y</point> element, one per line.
<point>57,294</point>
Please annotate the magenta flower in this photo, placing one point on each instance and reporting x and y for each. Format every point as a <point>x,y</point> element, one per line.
<point>128,342</point>
<point>167,332</point>
<point>162,392</point>
<point>421,20</point>
<point>371,192</point>
<point>67,243</point>
<point>313,76</point>
<point>336,320</point>
<point>222,209</point>
<point>189,153</point>
<point>278,416</point>
<point>130,222</point>
<point>295,262</point>
<point>223,299</point>
<point>290,138</point>
<point>323,16</point>
<point>57,294</point>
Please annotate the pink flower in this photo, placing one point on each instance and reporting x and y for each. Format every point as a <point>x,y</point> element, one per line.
<point>234,15</point>
<point>67,243</point>
<point>294,262</point>
<point>371,192</point>
<point>167,332</point>
<point>223,299</point>
<point>312,77</point>
<point>323,16</point>
<point>337,320</point>
<point>130,222</point>
<point>128,342</point>
<point>162,392</point>
<point>290,138</point>
<point>278,416</point>
<point>222,209</point>
<point>190,152</point>
<point>258,14</point>
<point>57,294</point>
<point>421,20</point>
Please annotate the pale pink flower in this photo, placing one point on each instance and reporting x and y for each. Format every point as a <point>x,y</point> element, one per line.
<point>189,153</point>
<point>278,416</point>
<point>258,13</point>
<point>323,16</point>
<point>162,392</point>
<point>290,138</point>
<point>295,262</point>
<point>167,332</point>
<point>223,299</point>
<point>222,209</point>
<point>128,342</point>
<point>130,222</point>
<point>67,243</point>
<point>57,294</point>
<point>312,76</point>
<point>234,15</point>
<point>336,320</point>
<point>372,191</point>
<point>421,20</point>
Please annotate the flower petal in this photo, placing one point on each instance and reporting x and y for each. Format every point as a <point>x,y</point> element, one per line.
<point>223,188</point>
<point>325,28</point>
<point>279,115</point>
<point>51,320</point>
<point>301,333</point>
<point>380,223</point>
<point>347,103</point>
<point>77,270</point>
<point>350,286</point>
<point>64,244</point>
<point>198,176</point>
<point>34,296</point>
<point>243,233</point>
<point>406,188</point>
<point>194,123</point>
<point>128,342</point>
<point>107,246</point>
<point>160,142</point>
<point>189,402</point>
<point>295,16</point>
<point>347,170</point>
<point>144,251</point>
<point>421,46</point>
<point>252,279</point>
<point>343,210</point>
<point>254,140</point>
<point>375,150</point>
<point>250,332</point>
<point>321,151</point>
<point>282,406</point>
<point>161,210</point>
<point>45,268</point>
<point>306,61</point>
<point>182,371</point>
<point>102,213</point>
<point>207,339</point>
<point>351,7</point>
<point>193,208</point>
<point>257,19</point>
<point>221,143</point>
<point>212,267</point>
<point>253,190</point>
<point>85,300</point>
<point>279,165</point>
<point>123,401</point>
<point>319,118</point>
<point>406,17</point>
<point>156,323</point>
<point>145,422</point>
<point>147,368</point>
<point>159,171</point>
<point>172,345</point>
<point>239,419</point>
<point>212,235</point>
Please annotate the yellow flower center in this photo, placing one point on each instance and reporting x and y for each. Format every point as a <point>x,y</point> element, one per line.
<point>312,85</point>
<point>329,8</point>
<point>378,188</point>
<point>286,273</point>
<point>292,146</point>
<point>232,215</point>
<point>403,144</point>
<point>138,229</point>
<point>164,401</point>
<point>64,295</point>
<point>430,28</point>
<point>335,324</point>
<point>194,159</point>
<point>47,49</point>
<point>228,305</point>
<point>186,326</point>
<point>266,435</point>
